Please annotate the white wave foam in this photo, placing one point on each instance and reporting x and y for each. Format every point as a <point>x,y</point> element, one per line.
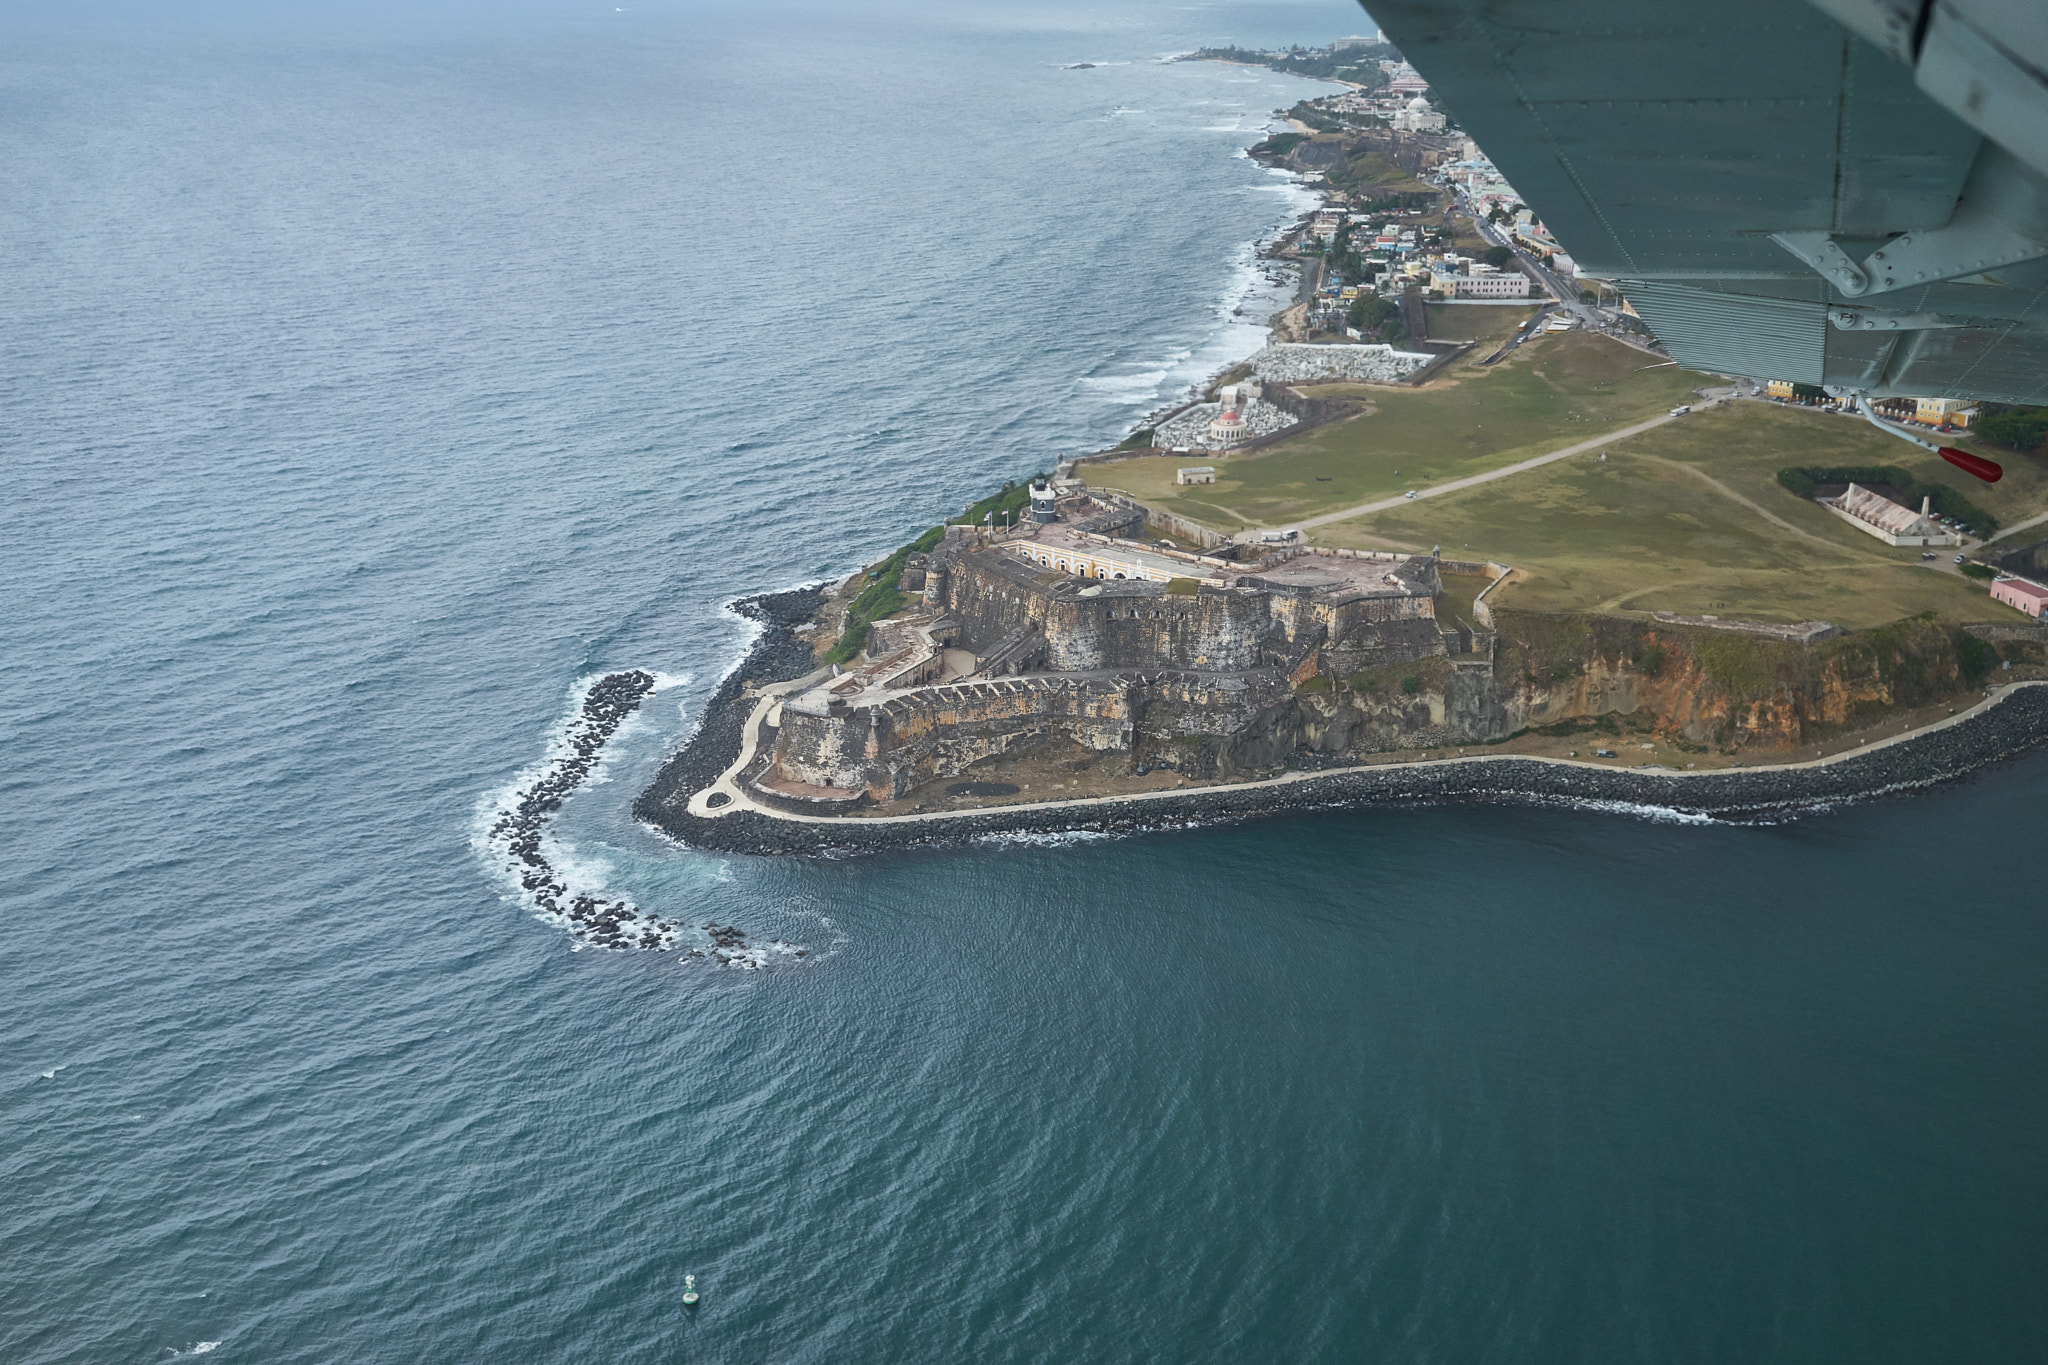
<point>1051,838</point>
<point>1123,388</point>
<point>51,1074</point>
<point>1638,810</point>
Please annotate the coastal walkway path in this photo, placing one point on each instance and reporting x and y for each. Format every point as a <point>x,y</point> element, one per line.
<point>738,800</point>
<point>1473,481</point>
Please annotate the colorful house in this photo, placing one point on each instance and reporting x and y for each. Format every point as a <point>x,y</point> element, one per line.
<point>2030,598</point>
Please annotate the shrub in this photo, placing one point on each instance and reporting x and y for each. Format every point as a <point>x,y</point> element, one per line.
<point>1979,571</point>
<point>1975,658</point>
<point>1411,684</point>
<point>882,596</point>
<point>1316,684</point>
<point>2016,428</point>
<point>1650,661</point>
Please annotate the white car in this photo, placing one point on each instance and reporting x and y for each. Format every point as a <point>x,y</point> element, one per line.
<point>1409,494</point>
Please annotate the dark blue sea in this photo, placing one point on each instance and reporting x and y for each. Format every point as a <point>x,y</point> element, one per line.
<point>373,379</point>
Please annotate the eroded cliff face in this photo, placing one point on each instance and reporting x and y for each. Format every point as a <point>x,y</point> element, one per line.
<point>1705,688</point>
<point>1715,689</point>
<point>1726,688</point>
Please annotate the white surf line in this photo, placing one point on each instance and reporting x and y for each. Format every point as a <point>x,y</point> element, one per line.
<point>740,801</point>
<point>1476,479</point>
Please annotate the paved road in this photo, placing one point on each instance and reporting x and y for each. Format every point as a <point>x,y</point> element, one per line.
<point>1591,316</point>
<point>1489,476</point>
<point>2029,524</point>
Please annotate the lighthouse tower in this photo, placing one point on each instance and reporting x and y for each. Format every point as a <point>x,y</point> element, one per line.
<point>1042,503</point>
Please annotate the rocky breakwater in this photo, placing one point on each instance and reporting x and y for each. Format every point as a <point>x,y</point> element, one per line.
<point>518,829</point>
<point>517,835</point>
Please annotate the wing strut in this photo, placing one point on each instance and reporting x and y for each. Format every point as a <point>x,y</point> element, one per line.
<point>1988,470</point>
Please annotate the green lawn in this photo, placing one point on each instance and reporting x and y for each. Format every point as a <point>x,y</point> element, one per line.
<point>1491,323</point>
<point>1645,531</point>
<point>1553,392</point>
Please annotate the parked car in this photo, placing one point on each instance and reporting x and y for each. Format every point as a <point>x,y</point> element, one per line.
<point>1929,554</point>
<point>1962,559</point>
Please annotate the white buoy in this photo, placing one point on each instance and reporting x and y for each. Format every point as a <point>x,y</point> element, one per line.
<point>689,1291</point>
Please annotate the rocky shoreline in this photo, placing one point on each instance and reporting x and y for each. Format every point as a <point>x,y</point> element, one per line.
<point>777,656</point>
<point>2016,724</point>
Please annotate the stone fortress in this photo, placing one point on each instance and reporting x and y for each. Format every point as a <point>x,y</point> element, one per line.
<point>1070,627</point>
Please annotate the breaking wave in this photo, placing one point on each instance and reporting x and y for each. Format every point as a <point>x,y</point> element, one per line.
<point>547,873</point>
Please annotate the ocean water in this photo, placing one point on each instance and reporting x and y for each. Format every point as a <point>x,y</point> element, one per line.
<point>371,379</point>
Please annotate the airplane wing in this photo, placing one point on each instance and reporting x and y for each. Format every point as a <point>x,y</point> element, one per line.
<point>1849,193</point>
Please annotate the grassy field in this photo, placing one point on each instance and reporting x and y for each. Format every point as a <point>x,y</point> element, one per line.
<point>1552,392</point>
<point>1491,323</point>
<point>1459,590</point>
<point>1690,518</point>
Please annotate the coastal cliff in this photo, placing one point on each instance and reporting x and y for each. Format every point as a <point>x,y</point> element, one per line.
<point>1727,688</point>
<point>1699,688</point>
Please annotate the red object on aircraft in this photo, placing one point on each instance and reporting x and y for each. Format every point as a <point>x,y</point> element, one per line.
<point>1988,470</point>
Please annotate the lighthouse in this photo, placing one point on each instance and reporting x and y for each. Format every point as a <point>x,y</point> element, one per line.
<point>1042,504</point>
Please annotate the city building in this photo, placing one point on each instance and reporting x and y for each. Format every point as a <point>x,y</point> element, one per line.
<point>1927,412</point>
<point>1874,514</point>
<point>1496,286</point>
<point>1939,412</point>
<point>1417,117</point>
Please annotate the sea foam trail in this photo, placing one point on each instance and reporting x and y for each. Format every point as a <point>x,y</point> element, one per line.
<point>518,830</point>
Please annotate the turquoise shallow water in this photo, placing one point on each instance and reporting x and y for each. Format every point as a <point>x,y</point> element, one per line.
<point>371,379</point>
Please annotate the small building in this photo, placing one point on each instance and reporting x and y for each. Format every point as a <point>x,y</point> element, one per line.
<point>2030,598</point>
<point>1200,473</point>
<point>1779,388</point>
<point>1877,515</point>
<point>1228,428</point>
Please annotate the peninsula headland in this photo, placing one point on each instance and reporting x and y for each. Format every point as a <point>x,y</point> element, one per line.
<point>1661,596</point>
